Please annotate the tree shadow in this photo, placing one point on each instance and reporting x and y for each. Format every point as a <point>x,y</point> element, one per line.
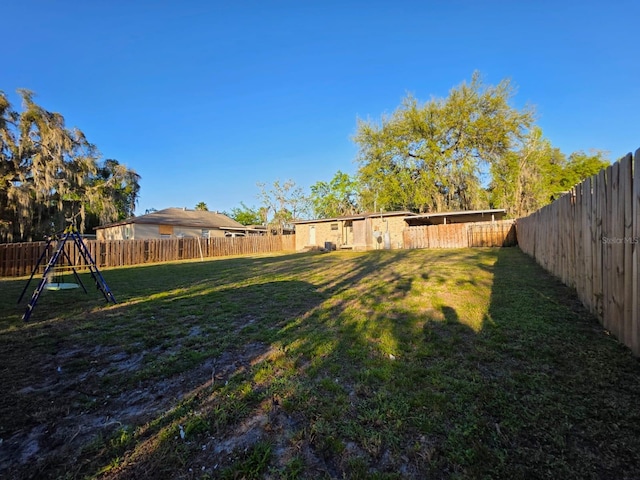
<point>410,364</point>
<point>74,383</point>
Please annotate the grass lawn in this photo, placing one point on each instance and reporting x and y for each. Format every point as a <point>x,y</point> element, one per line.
<point>388,364</point>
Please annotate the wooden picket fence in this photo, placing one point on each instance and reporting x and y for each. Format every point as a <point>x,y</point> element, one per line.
<point>461,235</point>
<point>590,239</point>
<point>19,259</point>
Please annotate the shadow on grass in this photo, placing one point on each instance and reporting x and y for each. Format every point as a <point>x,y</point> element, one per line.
<point>402,364</point>
<point>72,383</point>
<point>538,390</point>
<point>557,390</point>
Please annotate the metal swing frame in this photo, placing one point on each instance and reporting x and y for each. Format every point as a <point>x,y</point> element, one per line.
<point>69,234</point>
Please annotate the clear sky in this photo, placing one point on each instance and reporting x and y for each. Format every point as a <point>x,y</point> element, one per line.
<point>206,98</point>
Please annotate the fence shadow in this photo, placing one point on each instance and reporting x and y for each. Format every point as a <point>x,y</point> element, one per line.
<point>467,363</point>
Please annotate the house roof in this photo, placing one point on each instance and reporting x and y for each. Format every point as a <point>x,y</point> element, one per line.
<point>455,217</point>
<point>183,218</point>
<point>359,216</point>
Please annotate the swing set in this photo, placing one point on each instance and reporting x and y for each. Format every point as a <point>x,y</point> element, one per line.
<point>53,277</point>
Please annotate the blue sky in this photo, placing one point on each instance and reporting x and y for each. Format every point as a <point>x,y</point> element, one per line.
<point>206,98</point>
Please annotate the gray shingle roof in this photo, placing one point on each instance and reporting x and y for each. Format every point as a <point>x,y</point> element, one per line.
<point>183,218</point>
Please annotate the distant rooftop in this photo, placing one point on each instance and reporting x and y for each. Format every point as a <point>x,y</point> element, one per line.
<point>182,217</point>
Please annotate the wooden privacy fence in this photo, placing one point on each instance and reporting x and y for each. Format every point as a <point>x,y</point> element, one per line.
<point>590,239</point>
<point>19,259</point>
<point>461,235</point>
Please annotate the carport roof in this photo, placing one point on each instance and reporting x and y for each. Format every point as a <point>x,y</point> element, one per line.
<point>359,216</point>
<point>463,216</point>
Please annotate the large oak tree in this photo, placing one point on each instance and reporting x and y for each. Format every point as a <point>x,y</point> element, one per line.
<point>51,176</point>
<point>433,156</point>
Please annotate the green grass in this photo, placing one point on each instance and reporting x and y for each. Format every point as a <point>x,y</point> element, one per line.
<point>389,364</point>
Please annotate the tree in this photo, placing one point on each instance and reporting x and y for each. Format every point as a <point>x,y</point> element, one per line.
<point>8,168</point>
<point>529,178</point>
<point>522,180</point>
<point>116,183</point>
<point>581,166</point>
<point>202,206</point>
<point>283,203</point>
<point>246,215</point>
<point>335,198</point>
<point>50,177</point>
<point>432,156</point>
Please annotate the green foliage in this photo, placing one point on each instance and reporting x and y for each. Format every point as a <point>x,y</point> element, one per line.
<point>196,425</point>
<point>50,176</point>
<point>581,166</point>
<point>527,179</point>
<point>110,195</point>
<point>202,206</point>
<point>443,154</point>
<point>335,198</point>
<point>521,180</point>
<point>430,157</point>
<point>122,438</point>
<point>246,215</point>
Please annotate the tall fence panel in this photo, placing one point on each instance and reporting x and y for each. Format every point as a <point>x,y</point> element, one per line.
<point>461,235</point>
<point>590,238</point>
<point>19,259</point>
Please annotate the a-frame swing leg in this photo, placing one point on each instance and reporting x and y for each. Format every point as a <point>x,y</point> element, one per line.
<point>93,268</point>
<point>36,293</point>
<point>35,269</point>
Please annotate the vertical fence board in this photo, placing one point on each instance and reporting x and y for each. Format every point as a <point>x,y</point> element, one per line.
<point>606,249</point>
<point>599,285</point>
<point>590,239</point>
<point>616,262</point>
<point>579,269</point>
<point>635,260</point>
<point>625,279</point>
<point>587,264</point>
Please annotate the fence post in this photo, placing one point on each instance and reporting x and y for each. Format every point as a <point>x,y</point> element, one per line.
<point>635,254</point>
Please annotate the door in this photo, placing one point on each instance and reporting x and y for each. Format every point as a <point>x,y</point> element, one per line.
<point>312,235</point>
<point>359,235</point>
<point>347,233</point>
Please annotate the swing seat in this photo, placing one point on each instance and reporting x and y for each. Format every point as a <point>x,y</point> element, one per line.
<point>57,280</point>
<point>61,286</point>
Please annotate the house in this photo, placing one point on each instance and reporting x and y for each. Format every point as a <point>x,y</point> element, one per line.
<point>371,231</point>
<point>366,231</point>
<point>174,223</point>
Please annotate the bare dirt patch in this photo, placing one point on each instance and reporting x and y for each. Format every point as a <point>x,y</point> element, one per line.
<point>68,408</point>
